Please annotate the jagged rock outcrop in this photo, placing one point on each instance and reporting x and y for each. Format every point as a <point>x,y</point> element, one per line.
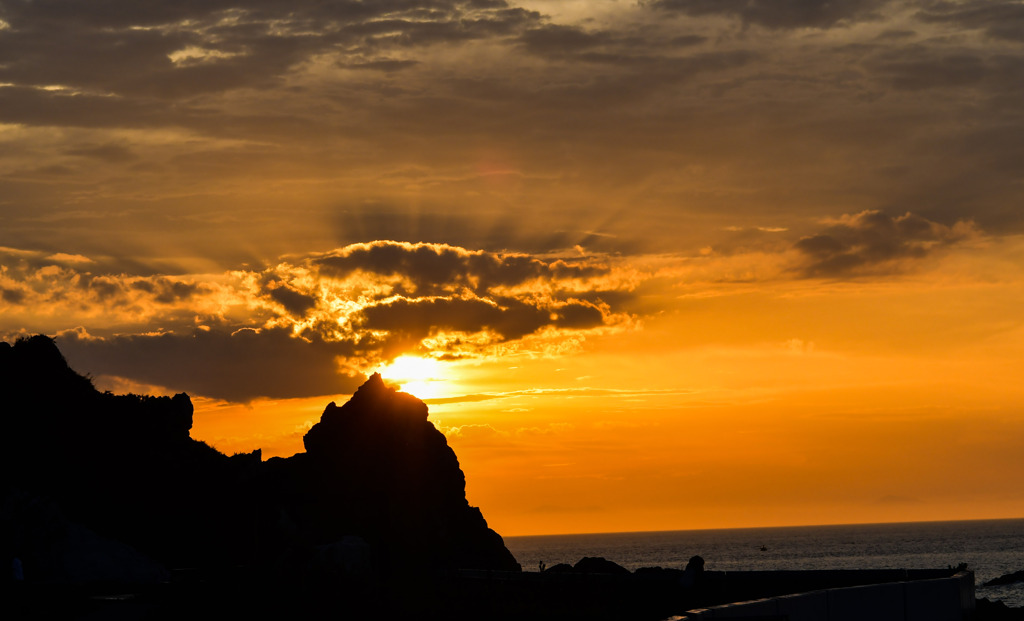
<point>122,466</point>
<point>125,468</point>
<point>599,565</point>
<point>377,468</point>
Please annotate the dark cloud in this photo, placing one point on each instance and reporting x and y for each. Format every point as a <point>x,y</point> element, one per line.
<point>627,49</point>
<point>617,299</point>
<point>54,169</point>
<point>418,318</point>
<point>920,68</point>
<point>656,61</point>
<point>688,40</point>
<point>872,241</point>
<point>400,294</point>
<point>160,65</point>
<point>554,39</point>
<point>236,366</point>
<point>113,153</point>
<point>31,106</point>
<point>523,232</point>
<point>170,291</point>
<point>386,65</point>
<point>441,27</point>
<point>780,14</point>
<point>24,262</point>
<point>472,299</point>
<point>896,35</point>
<point>1000,20</point>
<point>65,283</point>
<point>12,296</point>
<point>434,268</point>
<point>643,114</point>
<point>578,316</point>
<point>509,318</point>
<point>172,50</point>
<point>104,287</point>
<point>295,302</point>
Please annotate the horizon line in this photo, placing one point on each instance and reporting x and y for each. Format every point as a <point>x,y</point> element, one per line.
<point>780,526</point>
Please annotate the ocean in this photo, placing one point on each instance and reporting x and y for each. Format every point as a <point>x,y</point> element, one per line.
<point>991,548</point>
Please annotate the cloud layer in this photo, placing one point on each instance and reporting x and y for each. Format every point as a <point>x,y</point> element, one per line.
<point>315,324</point>
<point>780,14</point>
<point>170,172</point>
<point>623,129</point>
<point>872,241</point>
<point>308,325</point>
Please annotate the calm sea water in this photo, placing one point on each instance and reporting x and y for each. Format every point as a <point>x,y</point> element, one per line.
<point>991,548</point>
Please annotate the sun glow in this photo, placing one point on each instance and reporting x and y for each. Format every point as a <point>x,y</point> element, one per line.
<point>418,376</point>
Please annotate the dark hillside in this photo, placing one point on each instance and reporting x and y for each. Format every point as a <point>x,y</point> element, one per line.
<point>100,487</point>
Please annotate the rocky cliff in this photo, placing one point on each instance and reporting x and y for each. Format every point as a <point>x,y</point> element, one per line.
<point>378,492</point>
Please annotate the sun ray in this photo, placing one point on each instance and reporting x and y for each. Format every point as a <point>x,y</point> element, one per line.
<point>415,375</point>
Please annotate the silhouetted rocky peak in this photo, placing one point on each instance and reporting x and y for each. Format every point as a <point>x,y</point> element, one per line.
<point>384,401</point>
<point>37,369</point>
<point>375,408</point>
<point>60,428</point>
<point>379,469</point>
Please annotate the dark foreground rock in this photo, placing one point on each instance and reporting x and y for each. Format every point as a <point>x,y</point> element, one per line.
<point>103,489</point>
<point>986,610</point>
<point>1012,578</point>
<point>598,565</point>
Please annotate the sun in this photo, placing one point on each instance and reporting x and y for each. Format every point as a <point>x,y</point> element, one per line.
<point>415,375</point>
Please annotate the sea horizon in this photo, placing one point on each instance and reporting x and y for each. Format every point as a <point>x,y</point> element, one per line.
<point>774,527</point>
<point>989,547</point>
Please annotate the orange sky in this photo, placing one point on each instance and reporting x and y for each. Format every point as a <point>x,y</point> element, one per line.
<point>674,264</point>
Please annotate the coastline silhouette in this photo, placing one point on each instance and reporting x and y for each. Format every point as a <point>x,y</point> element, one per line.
<point>108,494</point>
<point>111,488</point>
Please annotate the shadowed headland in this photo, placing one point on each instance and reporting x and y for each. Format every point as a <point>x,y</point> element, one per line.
<point>111,489</point>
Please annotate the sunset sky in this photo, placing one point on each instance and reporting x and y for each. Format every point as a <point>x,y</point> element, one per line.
<point>657,264</point>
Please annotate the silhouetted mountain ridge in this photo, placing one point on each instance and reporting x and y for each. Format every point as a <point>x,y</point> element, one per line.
<point>376,475</point>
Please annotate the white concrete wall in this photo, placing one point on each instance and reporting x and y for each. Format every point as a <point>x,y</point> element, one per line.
<point>878,602</point>
<point>943,599</point>
<point>932,600</point>
<point>805,605</point>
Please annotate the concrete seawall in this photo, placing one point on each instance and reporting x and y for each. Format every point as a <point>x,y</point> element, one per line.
<point>918,598</point>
